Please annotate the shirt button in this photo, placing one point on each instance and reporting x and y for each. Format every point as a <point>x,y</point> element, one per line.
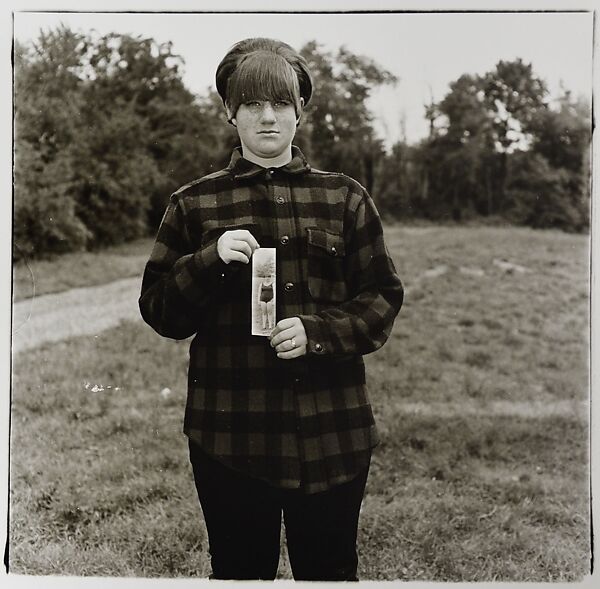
<point>289,286</point>
<point>285,240</point>
<point>318,348</point>
<point>280,200</point>
<point>333,250</point>
<point>268,175</point>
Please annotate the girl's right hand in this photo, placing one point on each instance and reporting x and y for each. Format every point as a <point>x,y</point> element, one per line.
<point>236,246</point>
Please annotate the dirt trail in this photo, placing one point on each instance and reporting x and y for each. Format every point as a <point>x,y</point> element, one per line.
<point>90,310</point>
<point>79,311</point>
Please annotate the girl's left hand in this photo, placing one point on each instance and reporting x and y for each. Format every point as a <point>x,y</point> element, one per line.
<point>289,338</point>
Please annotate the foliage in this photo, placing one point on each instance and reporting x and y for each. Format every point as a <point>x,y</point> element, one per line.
<point>40,277</point>
<point>540,195</point>
<point>47,108</point>
<point>498,146</point>
<point>338,128</point>
<point>105,131</point>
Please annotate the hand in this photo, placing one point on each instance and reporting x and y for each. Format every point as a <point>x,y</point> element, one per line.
<point>281,338</point>
<point>236,246</point>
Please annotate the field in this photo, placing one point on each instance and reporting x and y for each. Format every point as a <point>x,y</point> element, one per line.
<point>79,269</point>
<point>481,398</point>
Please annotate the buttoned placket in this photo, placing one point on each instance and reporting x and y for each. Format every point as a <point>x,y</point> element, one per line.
<point>284,236</point>
<point>289,278</point>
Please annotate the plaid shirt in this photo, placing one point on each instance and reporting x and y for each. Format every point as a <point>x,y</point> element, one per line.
<point>302,423</point>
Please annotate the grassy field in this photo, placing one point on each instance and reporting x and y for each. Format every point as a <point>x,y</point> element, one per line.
<point>40,277</point>
<point>481,397</point>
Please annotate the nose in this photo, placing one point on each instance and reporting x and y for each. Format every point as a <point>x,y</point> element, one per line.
<point>267,113</point>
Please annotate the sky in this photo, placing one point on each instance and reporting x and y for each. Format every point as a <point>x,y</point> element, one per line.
<point>426,51</point>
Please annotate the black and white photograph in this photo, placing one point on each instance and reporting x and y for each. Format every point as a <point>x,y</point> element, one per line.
<point>300,293</point>
<point>264,290</point>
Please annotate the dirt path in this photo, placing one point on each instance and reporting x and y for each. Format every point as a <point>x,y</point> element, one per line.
<point>80,311</point>
<point>90,310</point>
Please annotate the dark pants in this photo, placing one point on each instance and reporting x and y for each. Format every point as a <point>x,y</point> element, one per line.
<point>243,519</point>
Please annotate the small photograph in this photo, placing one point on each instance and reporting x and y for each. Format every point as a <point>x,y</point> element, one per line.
<point>263,291</point>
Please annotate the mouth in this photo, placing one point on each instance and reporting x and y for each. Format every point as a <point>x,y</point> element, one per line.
<point>268,132</point>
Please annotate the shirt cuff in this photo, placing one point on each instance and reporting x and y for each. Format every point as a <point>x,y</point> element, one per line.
<point>201,274</point>
<point>207,261</point>
<point>317,340</point>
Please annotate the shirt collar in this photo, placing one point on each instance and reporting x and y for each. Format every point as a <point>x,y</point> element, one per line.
<point>243,168</point>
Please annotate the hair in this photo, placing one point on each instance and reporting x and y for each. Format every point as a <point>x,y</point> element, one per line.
<point>263,69</point>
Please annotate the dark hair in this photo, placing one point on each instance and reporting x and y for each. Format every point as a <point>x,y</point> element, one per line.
<point>263,69</point>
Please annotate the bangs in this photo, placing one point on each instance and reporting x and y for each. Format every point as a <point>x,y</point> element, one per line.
<point>263,75</point>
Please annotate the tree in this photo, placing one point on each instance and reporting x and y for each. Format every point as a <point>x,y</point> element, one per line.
<point>182,134</point>
<point>47,112</point>
<point>540,195</point>
<point>514,96</point>
<point>547,185</point>
<point>190,138</point>
<point>459,168</point>
<point>338,132</point>
<point>105,130</point>
<point>498,147</point>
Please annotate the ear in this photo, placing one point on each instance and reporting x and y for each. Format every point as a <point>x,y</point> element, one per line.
<point>299,115</point>
<point>230,116</point>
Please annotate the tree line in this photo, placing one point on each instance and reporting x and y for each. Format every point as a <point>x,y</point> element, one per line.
<point>105,131</point>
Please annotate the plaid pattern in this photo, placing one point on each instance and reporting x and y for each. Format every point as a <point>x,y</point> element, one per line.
<point>304,422</point>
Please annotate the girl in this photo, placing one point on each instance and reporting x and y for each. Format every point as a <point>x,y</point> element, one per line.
<point>278,425</point>
<point>266,301</point>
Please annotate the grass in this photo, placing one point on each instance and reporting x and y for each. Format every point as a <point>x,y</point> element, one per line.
<point>481,399</point>
<point>40,277</point>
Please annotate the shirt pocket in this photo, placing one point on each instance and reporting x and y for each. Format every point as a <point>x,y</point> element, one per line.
<point>326,275</point>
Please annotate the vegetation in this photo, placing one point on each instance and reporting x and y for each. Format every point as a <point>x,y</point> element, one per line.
<point>105,130</point>
<point>79,269</point>
<point>481,398</point>
<point>498,146</point>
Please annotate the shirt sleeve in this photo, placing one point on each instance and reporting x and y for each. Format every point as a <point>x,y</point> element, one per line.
<point>362,324</point>
<point>179,283</point>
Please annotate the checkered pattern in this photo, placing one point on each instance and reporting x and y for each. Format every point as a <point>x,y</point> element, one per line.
<point>305,422</point>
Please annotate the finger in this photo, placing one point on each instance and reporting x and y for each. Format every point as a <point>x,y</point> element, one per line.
<point>279,328</point>
<point>290,343</point>
<point>289,322</point>
<point>273,333</point>
<point>252,241</point>
<point>245,235</point>
<point>286,346</point>
<point>234,256</point>
<point>295,353</point>
<point>282,336</point>
<point>299,341</point>
<point>241,246</point>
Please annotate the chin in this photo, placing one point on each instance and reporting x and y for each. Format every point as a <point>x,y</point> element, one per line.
<point>270,154</point>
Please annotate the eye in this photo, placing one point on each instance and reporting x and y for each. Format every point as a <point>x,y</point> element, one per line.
<point>282,103</point>
<point>252,104</point>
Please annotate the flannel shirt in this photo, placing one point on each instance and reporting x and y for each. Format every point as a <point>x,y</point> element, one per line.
<point>302,423</point>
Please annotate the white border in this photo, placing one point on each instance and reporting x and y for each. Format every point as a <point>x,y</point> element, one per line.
<point>6,11</point>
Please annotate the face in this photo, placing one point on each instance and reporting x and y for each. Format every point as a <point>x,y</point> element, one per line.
<point>266,128</point>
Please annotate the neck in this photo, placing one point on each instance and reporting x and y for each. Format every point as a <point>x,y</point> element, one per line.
<point>269,162</point>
